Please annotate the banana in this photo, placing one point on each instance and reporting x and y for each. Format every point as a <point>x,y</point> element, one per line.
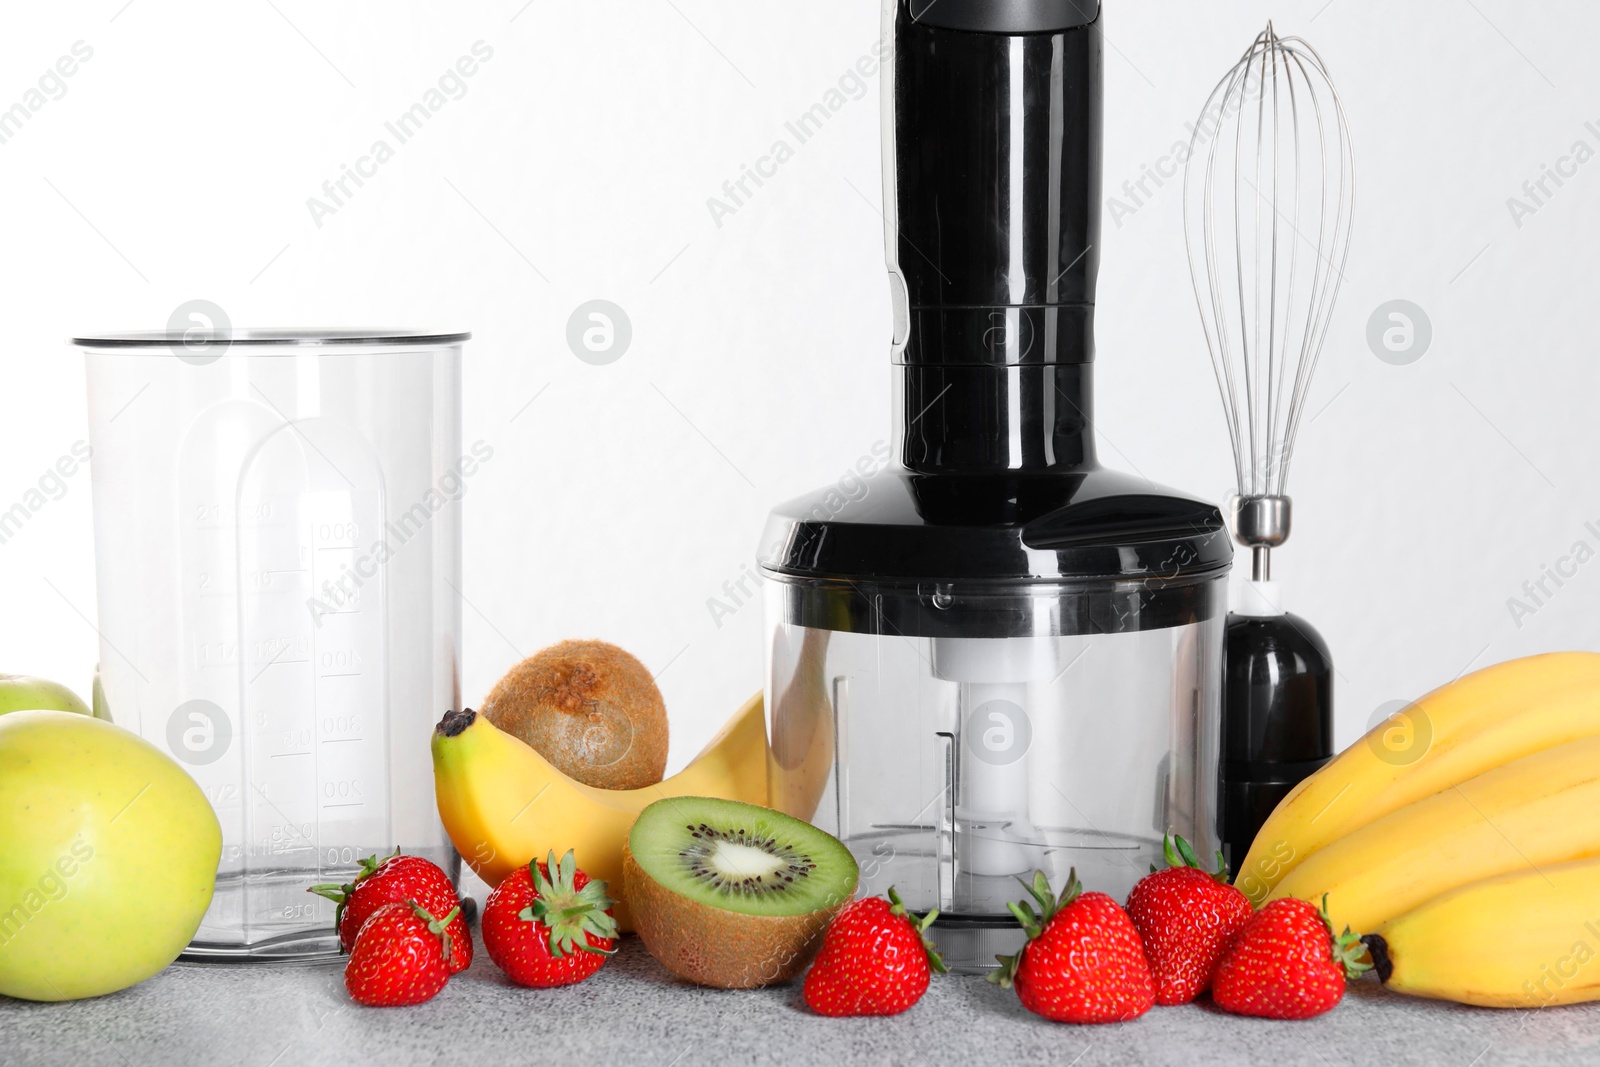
<point>1530,939</point>
<point>503,804</point>
<point>1460,730</point>
<point>800,758</point>
<point>1538,810</point>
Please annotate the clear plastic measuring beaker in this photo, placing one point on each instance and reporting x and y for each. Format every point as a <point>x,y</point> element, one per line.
<point>278,551</point>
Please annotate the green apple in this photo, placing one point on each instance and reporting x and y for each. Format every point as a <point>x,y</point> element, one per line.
<point>109,859</point>
<point>18,692</point>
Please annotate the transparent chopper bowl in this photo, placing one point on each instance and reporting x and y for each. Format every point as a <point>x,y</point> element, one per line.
<point>952,766</point>
<point>277,535</point>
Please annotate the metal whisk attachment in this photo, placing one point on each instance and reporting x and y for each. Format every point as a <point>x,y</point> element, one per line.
<point>1269,190</point>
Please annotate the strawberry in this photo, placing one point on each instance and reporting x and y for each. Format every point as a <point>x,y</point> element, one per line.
<point>548,924</point>
<point>401,956</point>
<point>875,960</point>
<point>1287,964</point>
<point>1186,919</point>
<point>395,879</point>
<point>1083,962</point>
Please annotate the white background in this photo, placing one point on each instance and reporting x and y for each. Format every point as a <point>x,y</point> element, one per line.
<point>578,165</point>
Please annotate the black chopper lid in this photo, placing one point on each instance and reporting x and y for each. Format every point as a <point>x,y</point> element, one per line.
<point>1090,524</point>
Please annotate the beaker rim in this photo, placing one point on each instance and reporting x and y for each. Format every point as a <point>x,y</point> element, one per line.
<point>294,338</point>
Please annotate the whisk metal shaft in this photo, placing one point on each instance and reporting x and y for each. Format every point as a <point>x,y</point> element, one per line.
<point>1270,159</point>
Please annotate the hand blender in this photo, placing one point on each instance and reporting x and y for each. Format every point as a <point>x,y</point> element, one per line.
<point>1001,657</point>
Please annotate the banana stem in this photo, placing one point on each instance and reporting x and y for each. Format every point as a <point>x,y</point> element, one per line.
<point>1378,949</point>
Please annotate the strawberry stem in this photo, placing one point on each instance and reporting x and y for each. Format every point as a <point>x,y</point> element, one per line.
<point>333,891</point>
<point>896,907</point>
<point>1006,972</point>
<point>1349,949</point>
<point>569,913</point>
<point>370,865</point>
<point>1179,853</point>
<point>437,927</point>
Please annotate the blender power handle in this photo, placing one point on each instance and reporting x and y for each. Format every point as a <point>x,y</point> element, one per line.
<point>1005,16</point>
<point>994,243</point>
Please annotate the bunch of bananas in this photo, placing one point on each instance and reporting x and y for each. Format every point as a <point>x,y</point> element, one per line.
<point>1463,835</point>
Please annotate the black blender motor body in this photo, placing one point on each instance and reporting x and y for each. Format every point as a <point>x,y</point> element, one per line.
<point>1001,656</point>
<point>1277,723</point>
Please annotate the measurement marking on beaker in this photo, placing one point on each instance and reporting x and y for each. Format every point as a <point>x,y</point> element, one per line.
<point>337,740</point>
<point>350,804</point>
<point>280,755</point>
<point>349,674</point>
<point>284,570</point>
<point>270,662</point>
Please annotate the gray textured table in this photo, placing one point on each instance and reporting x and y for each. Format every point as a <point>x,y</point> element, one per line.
<point>635,1012</point>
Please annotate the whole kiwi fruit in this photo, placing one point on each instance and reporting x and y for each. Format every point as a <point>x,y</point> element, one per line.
<point>588,707</point>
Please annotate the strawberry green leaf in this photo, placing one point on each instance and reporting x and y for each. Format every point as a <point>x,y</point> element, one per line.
<point>569,913</point>
<point>1348,949</point>
<point>1049,903</point>
<point>896,907</point>
<point>437,927</point>
<point>333,891</point>
<point>1003,975</point>
<point>370,865</point>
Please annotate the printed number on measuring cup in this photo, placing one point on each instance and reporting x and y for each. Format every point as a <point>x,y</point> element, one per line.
<point>277,648</point>
<point>338,531</point>
<point>343,788</point>
<point>346,659</point>
<point>288,837</point>
<point>216,653</point>
<point>341,725</point>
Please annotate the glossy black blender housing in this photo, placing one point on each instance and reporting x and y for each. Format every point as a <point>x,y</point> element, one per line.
<point>1000,656</point>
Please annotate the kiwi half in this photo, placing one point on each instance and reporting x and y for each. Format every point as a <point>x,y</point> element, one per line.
<point>732,895</point>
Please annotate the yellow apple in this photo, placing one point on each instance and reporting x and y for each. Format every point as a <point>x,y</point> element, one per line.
<point>18,692</point>
<point>108,861</point>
